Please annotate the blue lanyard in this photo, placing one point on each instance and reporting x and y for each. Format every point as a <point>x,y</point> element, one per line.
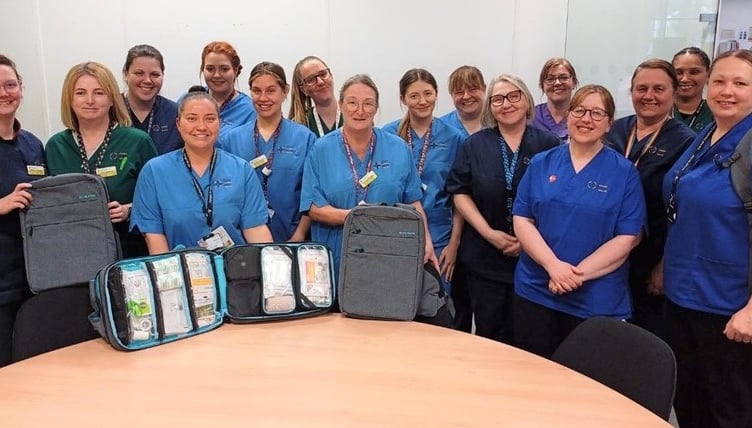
<point>509,165</point>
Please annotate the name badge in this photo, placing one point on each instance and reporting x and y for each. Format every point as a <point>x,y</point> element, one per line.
<point>216,239</point>
<point>367,179</point>
<point>259,161</point>
<point>35,170</point>
<point>108,171</point>
<point>424,186</point>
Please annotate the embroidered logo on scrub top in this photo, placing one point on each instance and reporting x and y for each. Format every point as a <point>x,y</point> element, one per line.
<point>222,182</point>
<point>286,149</point>
<point>381,164</point>
<point>159,128</point>
<point>593,185</point>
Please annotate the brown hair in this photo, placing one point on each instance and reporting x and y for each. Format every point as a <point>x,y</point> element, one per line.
<point>657,64</point>
<point>105,78</point>
<point>363,79</point>
<point>465,77</point>
<point>555,62</point>
<point>606,98</point>
<point>742,54</point>
<point>267,68</point>
<point>411,76</point>
<point>4,60</point>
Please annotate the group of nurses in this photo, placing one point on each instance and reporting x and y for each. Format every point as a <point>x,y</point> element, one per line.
<point>483,182</point>
<point>214,199</point>
<point>562,277</point>
<point>21,161</point>
<point>434,146</point>
<point>358,163</point>
<point>276,148</point>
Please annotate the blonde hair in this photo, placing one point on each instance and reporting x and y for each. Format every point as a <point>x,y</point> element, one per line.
<point>118,111</point>
<point>300,103</point>
<point>487,117</point>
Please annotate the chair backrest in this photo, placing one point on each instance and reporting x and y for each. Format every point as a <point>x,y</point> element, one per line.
<point>624,357</point>
<point>50,320</point>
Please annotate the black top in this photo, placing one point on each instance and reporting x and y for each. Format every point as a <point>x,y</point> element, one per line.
<point>478,171</point>
<point>672,140</point>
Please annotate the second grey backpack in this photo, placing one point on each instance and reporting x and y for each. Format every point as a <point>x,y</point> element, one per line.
<point>381,267</point>
<point>67,232</point>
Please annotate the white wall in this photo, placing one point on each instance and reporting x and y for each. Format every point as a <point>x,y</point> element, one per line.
<point>604,39</point>
<point>384,38</point>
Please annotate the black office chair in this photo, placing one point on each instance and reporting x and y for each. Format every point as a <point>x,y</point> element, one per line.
<point>624,357</point>
<point>50,320</point>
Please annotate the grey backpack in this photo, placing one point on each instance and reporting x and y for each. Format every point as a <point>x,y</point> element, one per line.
<point>67,232</point>
<point>381,270</point>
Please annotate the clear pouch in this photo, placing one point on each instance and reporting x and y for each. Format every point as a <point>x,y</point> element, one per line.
<point>315,280</point>
<point>173,304</point>
<point>276,273</point>
<point>201,279</point>
<point>138,302</point>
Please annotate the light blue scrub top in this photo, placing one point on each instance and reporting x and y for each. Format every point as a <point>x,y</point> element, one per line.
<point>575,214</point>
<point>443,146</point>
<point>166,200</point>
<point>453,120</point>
<point>284,183</point>
<point>237,112</point>
<point>707,249</point>
<point>328,180</point>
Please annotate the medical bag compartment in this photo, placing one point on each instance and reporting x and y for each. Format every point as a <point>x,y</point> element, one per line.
<point>143,302</point>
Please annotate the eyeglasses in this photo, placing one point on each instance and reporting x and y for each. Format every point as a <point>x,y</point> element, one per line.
<point>563,78</point>
<point>512,97</point>
<point>11,86</point>
<point>311,80</point>
<point>596,114</point>
<point>353,105</point>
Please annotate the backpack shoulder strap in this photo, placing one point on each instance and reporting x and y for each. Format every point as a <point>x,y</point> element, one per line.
<point>741,179</point>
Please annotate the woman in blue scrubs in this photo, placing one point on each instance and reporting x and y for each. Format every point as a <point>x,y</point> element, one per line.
<point>652,140</point>
<point>220,68</point>
<point>467,89</point>
<point>150,112</point>
<point>357,164</point>
<point>276,148</point>
<point>434,145</point>
<point>199,196</point>
<point>579,212</point>
<point>21,161</point>
<point>706,261</point>
<point>483,182</point>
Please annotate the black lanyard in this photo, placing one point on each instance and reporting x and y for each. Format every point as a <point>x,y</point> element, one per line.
<point>671,205</point>
<point>102,149</point>
<point>270,157</point>
<point>150,117</point>
<point>207,203</point>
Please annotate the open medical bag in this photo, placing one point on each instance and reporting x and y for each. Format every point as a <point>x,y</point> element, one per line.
<point>142,302</point>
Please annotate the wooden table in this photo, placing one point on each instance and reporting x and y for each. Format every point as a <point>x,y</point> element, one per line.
<point>323,371</point>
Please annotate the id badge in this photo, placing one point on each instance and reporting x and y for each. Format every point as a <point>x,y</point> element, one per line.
<point>266,171</point>
<point>367,179</point>
<point>108,171</point>
<point>35,170</point>
<point>216,239</point>
<point>424,186</point>
<point>258,161</point>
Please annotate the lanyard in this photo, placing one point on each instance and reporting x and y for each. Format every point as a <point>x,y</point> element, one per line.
<point>671,205</point>
<point>633,138</point>
<point>270,156</point>
<point>356,178</point>
<point>102,149</point>
<point>207,204</point>
<point>695,115</point>
<point>227,100</point>
<point>510,165</point>
<point>320,126</point>
<point>423,150</point>
<point>150,122</point>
